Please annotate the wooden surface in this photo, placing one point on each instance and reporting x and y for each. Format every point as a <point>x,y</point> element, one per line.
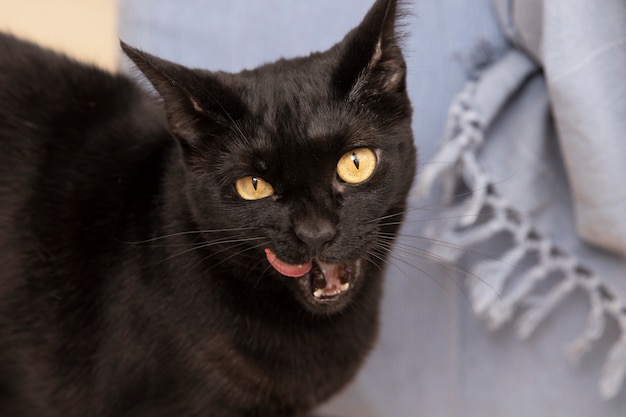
<point>84,29</point>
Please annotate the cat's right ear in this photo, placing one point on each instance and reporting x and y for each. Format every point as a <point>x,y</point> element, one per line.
<point>196,103</point>
<point>371,59</point>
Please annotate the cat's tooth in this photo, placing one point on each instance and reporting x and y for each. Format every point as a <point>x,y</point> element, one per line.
<point>344,287</point>
<point>318,293</point>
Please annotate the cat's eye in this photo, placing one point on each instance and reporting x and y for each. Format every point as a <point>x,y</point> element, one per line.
<point>356,166</point>
<point>253,188</point>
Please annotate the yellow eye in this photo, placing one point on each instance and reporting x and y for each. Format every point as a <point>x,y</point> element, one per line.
<point>253,188</point>
<point>357,165</point>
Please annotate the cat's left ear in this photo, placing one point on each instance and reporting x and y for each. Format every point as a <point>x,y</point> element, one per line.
<point>196,102</point>
<point>371,60</point>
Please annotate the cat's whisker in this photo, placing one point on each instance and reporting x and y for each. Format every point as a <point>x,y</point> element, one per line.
<point>375,251</point>
<point>373,262</point>
<point>493,256</point>
<point>434,205</point>
<point>388,216</point>
<point>404,213</point>
<point>445,201</point>
<point>227,258</point>
<point>222,241</point>
<point>237,244</point>
<point>261,275</point>
<point>391,255</point>
<point>199,244</point>
<point>399,247</point>
<point>190,232</point>
<point>481,216</point>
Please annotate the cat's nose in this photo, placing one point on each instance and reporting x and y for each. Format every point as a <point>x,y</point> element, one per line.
<point>315,234</point>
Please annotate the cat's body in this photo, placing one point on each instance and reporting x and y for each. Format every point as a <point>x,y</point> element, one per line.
<point>112,303</point>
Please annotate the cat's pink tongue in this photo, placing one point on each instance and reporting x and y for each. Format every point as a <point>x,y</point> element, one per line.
<point>285,268</point>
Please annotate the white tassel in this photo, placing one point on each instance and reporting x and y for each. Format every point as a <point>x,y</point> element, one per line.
<point>493,275</point>
<point>457,163</point>
<point>541,307</point>
<point>614,370</point>
<point>594,329</point>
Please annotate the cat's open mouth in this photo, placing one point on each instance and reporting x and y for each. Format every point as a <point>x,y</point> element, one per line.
<point>329,281</point>
<point>324,282</point>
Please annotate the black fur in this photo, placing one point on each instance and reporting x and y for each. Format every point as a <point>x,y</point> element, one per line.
<point>133,278</point>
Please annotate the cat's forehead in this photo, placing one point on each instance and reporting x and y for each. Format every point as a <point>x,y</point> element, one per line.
<point>298,83</point>
<point>315,127</point>
<point>296,102</point>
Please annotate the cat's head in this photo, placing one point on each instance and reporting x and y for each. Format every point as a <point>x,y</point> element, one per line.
<point>307,160</point>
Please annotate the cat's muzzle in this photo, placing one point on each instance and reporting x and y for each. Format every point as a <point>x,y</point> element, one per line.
<point>323,284</point>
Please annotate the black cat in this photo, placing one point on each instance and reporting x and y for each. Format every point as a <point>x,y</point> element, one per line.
<point>219,255</point>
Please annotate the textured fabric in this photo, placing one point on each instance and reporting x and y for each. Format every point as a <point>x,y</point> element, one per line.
<point>515,138</point>
<point>581,46</point>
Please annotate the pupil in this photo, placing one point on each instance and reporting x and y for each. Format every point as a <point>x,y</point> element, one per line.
<point>355,159</point>
<point>255,182</point>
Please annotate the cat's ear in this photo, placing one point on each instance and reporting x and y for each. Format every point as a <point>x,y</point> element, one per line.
<point>371,60</point>
<point>196,103</point>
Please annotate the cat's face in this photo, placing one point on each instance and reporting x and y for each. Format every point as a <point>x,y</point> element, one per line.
<point>307,161</point>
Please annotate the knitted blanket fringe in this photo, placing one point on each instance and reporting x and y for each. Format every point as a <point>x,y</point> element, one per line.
<point>500,288</point>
